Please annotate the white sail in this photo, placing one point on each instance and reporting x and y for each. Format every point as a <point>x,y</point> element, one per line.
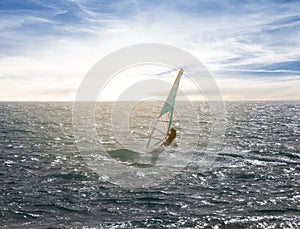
<point>163,123</point>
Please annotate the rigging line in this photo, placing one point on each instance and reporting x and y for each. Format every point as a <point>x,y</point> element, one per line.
<point>161,136</point>
<point>156,138</point>
<point>158,142</point>
<point>158,131</point>
<point>162,121</point>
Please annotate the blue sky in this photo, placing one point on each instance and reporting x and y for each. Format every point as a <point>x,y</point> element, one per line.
<point>251,47</point>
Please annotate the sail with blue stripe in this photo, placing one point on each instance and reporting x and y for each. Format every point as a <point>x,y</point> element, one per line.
<point>163,123</point>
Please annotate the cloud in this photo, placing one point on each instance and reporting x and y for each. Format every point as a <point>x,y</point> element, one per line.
<point>251,89</point>
<point>54,43</point>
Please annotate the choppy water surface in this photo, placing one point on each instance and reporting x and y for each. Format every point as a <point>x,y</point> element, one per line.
<point>253,183</point>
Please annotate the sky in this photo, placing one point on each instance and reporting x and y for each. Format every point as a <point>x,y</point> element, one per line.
<point>252,48</point>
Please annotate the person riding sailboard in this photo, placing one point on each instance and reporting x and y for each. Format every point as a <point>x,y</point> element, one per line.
<point>170,138</point>
<point>162,134</point>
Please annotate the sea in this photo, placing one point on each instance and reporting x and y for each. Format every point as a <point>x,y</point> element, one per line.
<point>49,179</point>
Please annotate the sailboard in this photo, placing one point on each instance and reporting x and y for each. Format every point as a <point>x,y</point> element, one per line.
<point>163,123</point>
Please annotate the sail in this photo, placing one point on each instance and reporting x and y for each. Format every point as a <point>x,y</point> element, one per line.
<point>163,123</point>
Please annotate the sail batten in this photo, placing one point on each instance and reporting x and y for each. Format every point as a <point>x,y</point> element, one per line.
<point>165,118</point>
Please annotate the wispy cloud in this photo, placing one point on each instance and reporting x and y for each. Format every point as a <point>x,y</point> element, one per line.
<point>54,43</point>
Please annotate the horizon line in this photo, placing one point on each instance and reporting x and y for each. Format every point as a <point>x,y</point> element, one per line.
<point>224,100</point>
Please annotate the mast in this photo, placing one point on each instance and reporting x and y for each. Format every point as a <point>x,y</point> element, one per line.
<point>163,123</point>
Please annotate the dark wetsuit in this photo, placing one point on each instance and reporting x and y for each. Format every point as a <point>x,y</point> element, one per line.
<point>171,137</point>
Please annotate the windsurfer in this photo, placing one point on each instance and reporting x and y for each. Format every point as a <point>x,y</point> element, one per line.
<point>170,138</point>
